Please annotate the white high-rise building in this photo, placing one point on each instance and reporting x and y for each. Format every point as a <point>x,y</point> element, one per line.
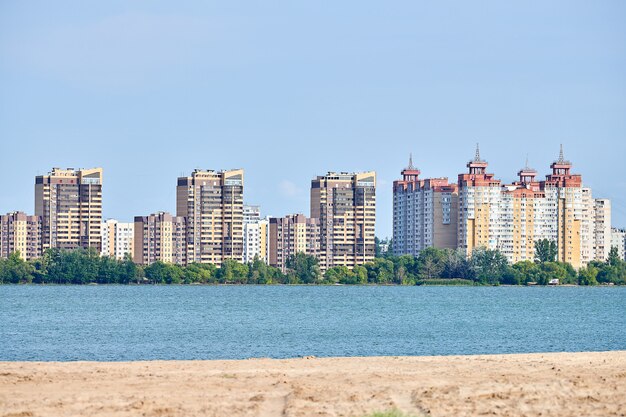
<point>618,240</point>
<point>255,235</point>
<point>117,239</point>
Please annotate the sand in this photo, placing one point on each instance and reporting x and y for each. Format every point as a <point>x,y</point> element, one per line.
<point>549,384</point>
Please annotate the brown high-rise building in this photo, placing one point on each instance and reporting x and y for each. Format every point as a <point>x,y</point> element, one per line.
<point>290,235</point>
<point>70,205</point>
<point>159,237</point>
<point>345,204</point>
<point>20,233</point>
<point>212,203</point>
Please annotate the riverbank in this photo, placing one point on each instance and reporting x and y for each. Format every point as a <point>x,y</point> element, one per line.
<point>555,384</point>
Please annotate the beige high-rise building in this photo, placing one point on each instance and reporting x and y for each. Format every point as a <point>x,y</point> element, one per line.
<point>425,213</point>
<point>212,203</point>
<point>290,235</point>
<point>520,207</point>
<point>159,237</point>
<point>70,205</point>
<point>479,207</point>
<point>20,233</point>
<point>345,204</point>
<point>602,228</point>
<point>564,214</point>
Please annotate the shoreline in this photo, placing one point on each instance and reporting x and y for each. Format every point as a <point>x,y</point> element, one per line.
<point>528,384</point>
<point>199,284</point>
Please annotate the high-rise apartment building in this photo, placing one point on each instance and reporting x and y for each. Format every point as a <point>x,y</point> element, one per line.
<point>424,213</point>
<point>159,237</point>
<point>117,239</point>
<point>602,228</point>
<point>290,235</point>
<point>587,225</point>
<point>20,233</point>
<point>618,241</point>
<point>479,207</point>
<point>519,216</point>
<point>564,211</point>
<point>70,205</point>
<point>506,217</point>
<point>212,203</point>
<point>345,204</point>
<point>255,235</point>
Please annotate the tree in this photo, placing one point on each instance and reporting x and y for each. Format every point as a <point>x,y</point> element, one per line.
<point>380,271</point>
<point>545,251</point>
<point>528,271</point>
<point>232,272</point>
<point>489,265</point>
<point>587,276</point>
<point>304,267</point>
<point>613,258</point>
<point>431,263</point>
<point>339,274</point>
<point>456,265</point>
<point>14,270</point>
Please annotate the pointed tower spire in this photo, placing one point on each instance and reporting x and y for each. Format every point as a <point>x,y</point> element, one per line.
<point>477,156</point>
<point>410,173</point>
<point>561,157</point>
<point>477,165</point>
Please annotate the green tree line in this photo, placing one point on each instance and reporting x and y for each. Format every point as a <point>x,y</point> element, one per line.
<point>432,266</point>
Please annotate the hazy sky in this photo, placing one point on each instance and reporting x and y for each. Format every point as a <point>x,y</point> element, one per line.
<point>150,90</point>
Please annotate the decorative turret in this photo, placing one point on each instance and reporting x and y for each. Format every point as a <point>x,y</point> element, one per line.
<point>477,166</point>
<point>410,173</point>
<point>561,166</point>
<point>527,175</point>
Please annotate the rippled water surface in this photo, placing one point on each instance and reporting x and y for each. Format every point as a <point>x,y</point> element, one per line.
<point>119,323</point>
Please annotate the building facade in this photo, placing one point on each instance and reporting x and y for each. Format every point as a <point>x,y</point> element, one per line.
<point>160,237</point>
<point>587,226</point>
<point>21,233</point>
<point>602,229</point>
<point>345,204</point>
<point>255,235</point>
<point>117,239</point>
<point>520,216</point>
<point>618,240</point>
<point>424,213</point>
<point>564,211</point>
<point>212,203</point>
<point>69,203</point>
<point>479,207</point>
<point>509,218</point>
<point>290,235</point>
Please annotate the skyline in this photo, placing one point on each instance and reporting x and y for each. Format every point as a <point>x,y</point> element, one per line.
<point>150,91</point>
<point>410,165</point>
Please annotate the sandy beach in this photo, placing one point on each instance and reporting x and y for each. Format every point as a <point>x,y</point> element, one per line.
<point>549,384</point>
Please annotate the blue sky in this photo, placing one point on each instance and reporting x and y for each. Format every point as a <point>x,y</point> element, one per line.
<point>150,90</point>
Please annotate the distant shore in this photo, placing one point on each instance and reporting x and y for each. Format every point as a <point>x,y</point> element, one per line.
<point>541,384</point>
<point>238,284</point>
